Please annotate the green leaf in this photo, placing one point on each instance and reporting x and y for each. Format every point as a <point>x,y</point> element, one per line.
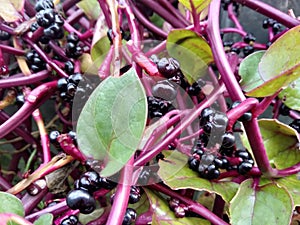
<point>86,218</point>
<point>11,204</point>
<point>175,173</point>
<point>91,8</point>
<point>192,52</point>
<point>268,205</point>
<point>13,219</point>
<point>291,95</point>
<point>292,185</point>
<point>45,219</point>
<point>248,70</point>
<point>280,65</point>
<point>281,143</point>
<point>162,215</point>
<point>100,50</point>
<point>199,5</point>
<point>157,20</point>
<point>112,122</point>
<point>9,10</point>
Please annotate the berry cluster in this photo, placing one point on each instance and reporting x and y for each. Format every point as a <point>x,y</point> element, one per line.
<point>50,20</point>
<point>158,107</point>
<point>135,194</point>
<point>130,216</point>
<point>296,125</point>
<point>82,196</point>
<point>74,84</point>
<point>249,38</point>
<point>70,220</point>
<point>270,23</point>
<point>180,210</point>
<point>213,121</point>
<point>34,61</point>
<point>74,46</point>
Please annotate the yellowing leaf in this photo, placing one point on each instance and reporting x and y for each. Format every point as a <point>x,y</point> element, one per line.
<point>199,5</point>
<point>8,12</point>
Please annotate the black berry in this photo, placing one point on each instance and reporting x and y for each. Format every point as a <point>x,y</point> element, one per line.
<point>45,18</point>
<point>69,67</point>
<point>168,67</point>
<point>43,4</point>
<point>228,140</point>
<point>129,217</point>
<point>53,136</point>
<point>82,200</point>
<point>249,38</point>
<point>89,181</point>
<point>4,36</point>
<point>247,50</point>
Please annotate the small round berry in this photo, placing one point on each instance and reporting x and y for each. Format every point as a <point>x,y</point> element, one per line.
<point>228,140</point>
<point>247,50</point>
<point>53,136</point>
<point>212,172</point>
<point>276,27</point>
<point>193,163</point>
<point>58,20</point>
<point>20,99</point>
<point>43,4</point>
<point>179,212</point>
<point>62,84</point>
<point>72,135</point>
<point>249,38</point>
<point>168,67</point>
<point>69,67</point>
<point>45,18</point>
<point>164,89</point>
<point>106,183</point>
<point>88,181</point>
<point>134,197</point>
<point>244,168</point>
<point>227,43</point>
<point>296,125</point>
<point>129,217</point>
<point>284,110</point>
<point>73,38</point>
<point>34,26</point>
<point>82,200</point>
<point>243,154</point>
<point>54,31</point>
<point>195,89</point>
<point>4,36</point>
<point>75,78</point>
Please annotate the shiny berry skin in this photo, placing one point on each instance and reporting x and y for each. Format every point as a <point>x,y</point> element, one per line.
<point>284,110</point>
<point>62,84</point>
<point>164,89</point>
<point>195,89</point>
<point>82,200</point>
<point>249,38</point>
<point>20,99</point>
<point>206,116</point>
<point>106,184</point>
<point>88,181</point>
<point>244,167</point>
<point>54,31</point>
<point>247,50</point>
<point>193,163</point>
<point>45,18</point>
<point>53,136</point>
<point>134,197</point>
<point>227,43</point>
<point>73,38</point>
<point>243,154</point>
<point>179,212</point>
<point>247,116</point>
<point>268,22</point>
<point>4,36</point>
<point>34,26</point>
<point>212,172</point>
<point>75,78</point>
<point>276,27</point>
<point>129,217</point>
<point>168,67</point>
<point>72,135</point>
<point>221,163</point>
<point>43,4</point>
<point>71,220</point>
<point>228,140</point>
<point>58,20</point>
<point>69,67</point>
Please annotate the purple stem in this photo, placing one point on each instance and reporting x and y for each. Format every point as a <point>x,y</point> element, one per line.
<point>30,202</point>
<point>36,98</point>
<point>146,23</point>
<point>29,9</point>
<point>121,198</point>
<point>19,131</point>
<point>55,210</point>
<point>270,11</point>
<point>233,17</point>
<point>196,18</point>
<point>218,208</point>
<point>192,205</point>
<point>75,16</point>
<point>157,49</point>
<point>164,13</point>
<point>24,80</point>
<point>106,12</point>
<point>11,50</point>
<point>288,171</point>
<point>143,159</point>
<point>104,70</point>
<point>58,50</point>
<point>233,30</point>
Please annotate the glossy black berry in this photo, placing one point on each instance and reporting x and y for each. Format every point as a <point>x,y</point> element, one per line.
<point>58,20</point>
<point>284,110</point>
<point>72,135</point>
<point>296,125</point>
<point>193,163</point>
<point>228,140</point>
<point>89,181</point>
<point>249,38</point>
<point>129,217</point>
<point>62,84</point>
<point>73,51</point>
<point>227,151</point>
<point>54,31</point>
<point>276,27</point>
<point>53,136</point>
<point>179,212</point>
<point>168,67</point>
<point>164,89</point>
<point>227,43</point>
<point>243,154</point>
<point>244,167</point>
<point>45,18</point>
<point>71,220</point>
<point>106,183</point>
<point>4,36</point>
<point>221,163</point>
<point>73,38</point>
<point>195,89</point>
<point>212,172</point>
<point>206,116</point>
<point>235,50</point>
<point>82,200</point>
<point>75,78</point>
<point>69,67</point>
<point>268,22</point>
<point>20,99</point>
<point>134,195</point>
<point>43,4</point>
<point>247,50</point>
<point>34,26</point>
<point>247,116</point>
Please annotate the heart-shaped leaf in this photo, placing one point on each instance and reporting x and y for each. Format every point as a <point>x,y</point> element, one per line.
<point>45,219</point>
<point>162,215</point>
<point>199,5</point>
<point>268,204</point>
<point>175,173</point>
<point>292,185</point>
<point>281,143</point>
<point>291,95</point>
<point>11,204</point>
<point>280,65</point>
<point>192,52</point>
<point>112,122</point>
